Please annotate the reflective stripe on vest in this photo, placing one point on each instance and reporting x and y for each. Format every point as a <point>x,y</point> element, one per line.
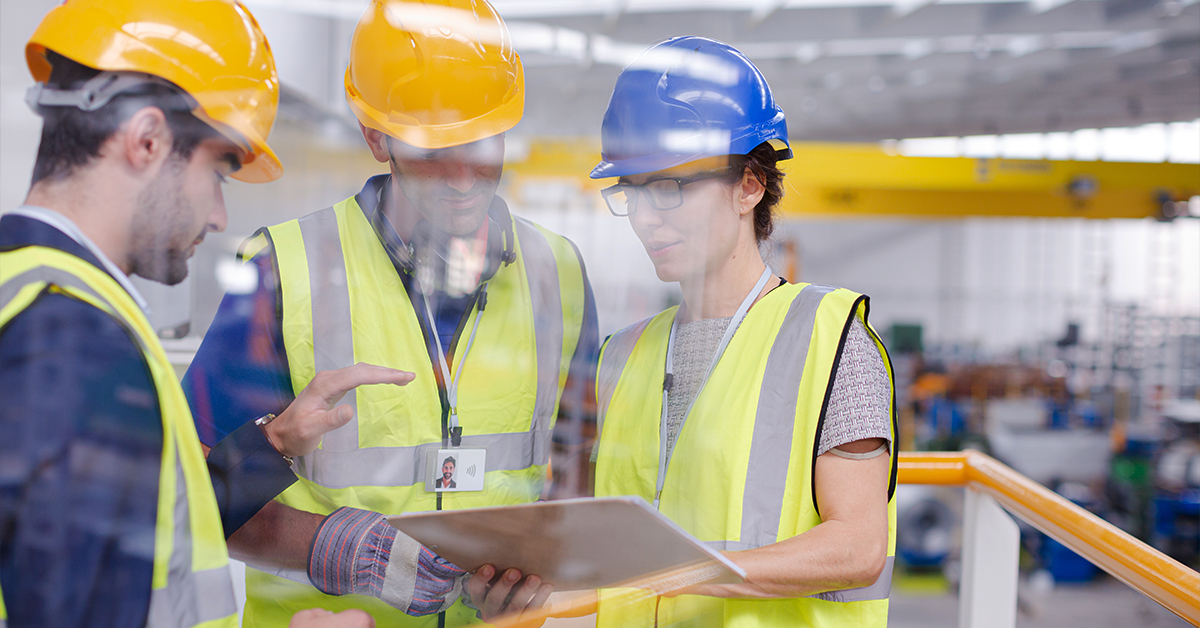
<point>616,354</point>
<point>189,587</point>
<point>776,415</point>
<point>341,462</point>
<point>342,301</point>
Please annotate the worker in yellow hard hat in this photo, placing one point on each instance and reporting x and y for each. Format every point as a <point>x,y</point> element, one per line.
<point>426,270</point>
<point>109,514</point>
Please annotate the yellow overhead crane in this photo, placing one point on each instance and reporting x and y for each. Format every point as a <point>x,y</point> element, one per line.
<point>831,179</point>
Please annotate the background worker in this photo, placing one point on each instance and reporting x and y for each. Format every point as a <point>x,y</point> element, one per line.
<point>425,269</point>
<point>757,414</point>
<point>108,516</point>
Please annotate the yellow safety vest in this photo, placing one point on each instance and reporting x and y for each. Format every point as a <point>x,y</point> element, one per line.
<point>191,584</point>
<point>741,473</point>
<point>343,302</point>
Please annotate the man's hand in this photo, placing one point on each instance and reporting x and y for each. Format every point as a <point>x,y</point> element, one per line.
<point>506,596</point>
<point>321,618</point>
<point>298,430</point>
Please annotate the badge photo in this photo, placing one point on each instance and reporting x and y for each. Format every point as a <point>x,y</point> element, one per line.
<point>452,470</point>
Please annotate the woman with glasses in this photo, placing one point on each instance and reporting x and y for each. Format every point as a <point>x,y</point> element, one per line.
<point>758,414</point>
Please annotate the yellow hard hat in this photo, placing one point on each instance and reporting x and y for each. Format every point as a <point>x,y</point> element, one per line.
<point>434,73</point>
<point>212,49</point>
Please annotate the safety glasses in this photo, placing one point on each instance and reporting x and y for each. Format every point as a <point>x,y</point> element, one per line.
<point>662,194</point>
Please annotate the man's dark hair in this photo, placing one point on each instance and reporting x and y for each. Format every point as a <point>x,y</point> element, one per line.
<point>450,460</point>
<point>762,164</point>
<point>72,137</point>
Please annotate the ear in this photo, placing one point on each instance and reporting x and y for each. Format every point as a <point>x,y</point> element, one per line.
<point>377,142</point>
<point>147,140</point>
<point>748,193</point>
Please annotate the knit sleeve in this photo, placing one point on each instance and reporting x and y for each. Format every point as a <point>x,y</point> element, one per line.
<point>860,402</point>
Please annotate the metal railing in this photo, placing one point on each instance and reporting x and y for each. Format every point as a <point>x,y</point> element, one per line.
<point>990,544</point>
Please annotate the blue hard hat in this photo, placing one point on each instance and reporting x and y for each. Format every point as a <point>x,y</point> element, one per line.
<point>685,99</point>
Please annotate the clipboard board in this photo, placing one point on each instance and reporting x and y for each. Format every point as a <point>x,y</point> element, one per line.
<point>574,544</point>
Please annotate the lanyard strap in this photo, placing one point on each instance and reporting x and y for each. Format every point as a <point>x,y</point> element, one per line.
<point>452,384</point>
<point>663,458</point>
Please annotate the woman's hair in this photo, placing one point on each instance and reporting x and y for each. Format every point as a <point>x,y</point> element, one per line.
<point>761,163</point>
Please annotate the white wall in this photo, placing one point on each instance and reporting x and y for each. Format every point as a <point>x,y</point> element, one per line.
<point>995,284</point>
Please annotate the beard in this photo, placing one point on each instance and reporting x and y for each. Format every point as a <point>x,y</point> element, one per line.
<point>163,227</point>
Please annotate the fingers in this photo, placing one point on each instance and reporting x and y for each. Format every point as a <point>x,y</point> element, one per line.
<point>331,385</point>
<point>338,417</point>
<point>506,595</point>
<point>534,613</point>
<point>306,618</point>
<point>299,428</point>
<point>353,618</point>
<point>494,601</point>
<point>523,597</point>
<point>543,594</point>
<point>321,618</point>
<point>477,584</point>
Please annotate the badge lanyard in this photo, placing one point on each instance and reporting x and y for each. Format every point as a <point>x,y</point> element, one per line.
<point>452,384</point>
<point>663,459</point>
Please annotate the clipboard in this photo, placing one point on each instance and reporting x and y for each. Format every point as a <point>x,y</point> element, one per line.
<point>574,544</point>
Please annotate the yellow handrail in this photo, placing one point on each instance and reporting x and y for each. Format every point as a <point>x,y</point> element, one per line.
<point>1142,567</point>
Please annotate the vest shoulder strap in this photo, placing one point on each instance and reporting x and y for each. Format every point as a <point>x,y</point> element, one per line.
<point>30,270</point>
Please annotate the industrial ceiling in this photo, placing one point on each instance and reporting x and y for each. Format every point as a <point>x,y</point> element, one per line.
<point>845,70</point>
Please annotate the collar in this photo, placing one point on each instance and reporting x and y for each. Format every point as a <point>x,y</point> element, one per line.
<point>71,230</point>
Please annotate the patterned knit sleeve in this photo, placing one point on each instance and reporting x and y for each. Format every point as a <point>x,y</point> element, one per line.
<point>860,403</point>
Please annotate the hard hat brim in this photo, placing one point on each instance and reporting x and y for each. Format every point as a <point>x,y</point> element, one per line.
<point>653,163</point>
<point>260,164</point>
<point>238,95</point>
<point>436,136</point>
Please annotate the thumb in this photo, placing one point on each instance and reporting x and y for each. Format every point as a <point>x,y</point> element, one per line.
<point>338,417</point>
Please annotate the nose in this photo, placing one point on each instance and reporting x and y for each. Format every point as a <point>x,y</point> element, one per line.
<point>461,176</point>
<point>644,216</point>
<point>218,217</point>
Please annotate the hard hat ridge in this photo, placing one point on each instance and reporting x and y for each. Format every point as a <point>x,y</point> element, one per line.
<point>685,99</point>
<point>434,73</point>
<point>212,50</point>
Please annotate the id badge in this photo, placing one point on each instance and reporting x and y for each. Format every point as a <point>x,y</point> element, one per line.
<point>455,470</point>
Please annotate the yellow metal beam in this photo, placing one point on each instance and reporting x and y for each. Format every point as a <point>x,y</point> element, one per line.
<point>843,180</point>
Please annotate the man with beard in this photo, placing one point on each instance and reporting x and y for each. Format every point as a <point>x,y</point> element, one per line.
<point>447,479</point>
<point>109,514</point>
<point>425,270</point>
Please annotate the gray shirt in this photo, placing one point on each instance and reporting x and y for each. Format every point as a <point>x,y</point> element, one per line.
<point>859,404</point>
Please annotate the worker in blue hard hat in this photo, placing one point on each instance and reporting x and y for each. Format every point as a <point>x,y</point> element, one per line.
<point>758,414</point>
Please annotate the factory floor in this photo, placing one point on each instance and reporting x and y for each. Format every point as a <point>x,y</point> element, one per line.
<point>1103,603</point>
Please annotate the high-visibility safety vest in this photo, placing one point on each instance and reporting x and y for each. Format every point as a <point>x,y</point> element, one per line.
<point>191,583</point>
<point>741,473</point>
<point>343,302</point>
